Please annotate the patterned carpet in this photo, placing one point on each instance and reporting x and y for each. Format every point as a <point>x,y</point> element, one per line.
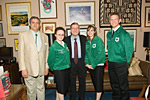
<point>51,95</point>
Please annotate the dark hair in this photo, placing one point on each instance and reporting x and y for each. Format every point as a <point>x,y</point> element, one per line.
<point>95,30</point>
<point>74,23</point>
<point>34,17</point>
<point>59,28</point>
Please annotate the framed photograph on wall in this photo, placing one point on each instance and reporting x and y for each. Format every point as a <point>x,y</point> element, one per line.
<point>105,40</point>
<point>48,8</point>
<point>48,27</point>
<point>18,14</point>
<point>81,12</point>
<point>0,13</point>
<point>82,31</point>
<point>147,1</point>
<point>16,44</point>
<point>51,39</point>
<point>132,32</point>
<point>2,42</point>
<point>147,16</point>
<point>1,29</point>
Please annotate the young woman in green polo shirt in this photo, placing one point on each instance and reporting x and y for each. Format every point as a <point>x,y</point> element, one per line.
<point>95,58</point>
<point>59,63</point>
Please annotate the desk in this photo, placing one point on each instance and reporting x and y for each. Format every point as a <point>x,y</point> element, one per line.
<point>16,92</point>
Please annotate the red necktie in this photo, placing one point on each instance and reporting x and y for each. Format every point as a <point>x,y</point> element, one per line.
<point>75,52</point>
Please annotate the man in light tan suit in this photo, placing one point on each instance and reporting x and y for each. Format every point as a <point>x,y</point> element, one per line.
<point>32,54</point>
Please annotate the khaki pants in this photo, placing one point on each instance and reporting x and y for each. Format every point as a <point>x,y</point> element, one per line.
<point>35,87</point>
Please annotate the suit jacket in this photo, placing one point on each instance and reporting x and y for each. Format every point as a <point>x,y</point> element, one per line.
<point>82,41</point>
<point>30,59</point>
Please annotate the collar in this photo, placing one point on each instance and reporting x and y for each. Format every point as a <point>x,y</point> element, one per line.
<point>60,43</point>
<point>34,32</point>
<point>74,38</point>
<point>116,28</point>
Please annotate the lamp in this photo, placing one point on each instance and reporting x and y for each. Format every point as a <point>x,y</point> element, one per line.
<point>146,44</point>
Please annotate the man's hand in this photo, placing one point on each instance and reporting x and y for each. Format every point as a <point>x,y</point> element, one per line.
<point>46,71</point>
<point>24,73</point>
<point>89,66</point>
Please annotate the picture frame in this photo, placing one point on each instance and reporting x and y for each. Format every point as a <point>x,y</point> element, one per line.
<point>83,31</point>
<point>80,12</point>
<point>105,40</point>
<point>132,32</point>
<point>1,29</point>
<point>0,13</point>
<point>147,16</point>
<point>129,18</point>
<point>18,14</point>
<point>51,39</point>
<point>16,42</point>
<point>48,27</point>
<point>2,42</point>
<point>147,1</point>
<point>48,8</point>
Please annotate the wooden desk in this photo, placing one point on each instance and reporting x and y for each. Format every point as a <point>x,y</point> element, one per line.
<point>16,92</point>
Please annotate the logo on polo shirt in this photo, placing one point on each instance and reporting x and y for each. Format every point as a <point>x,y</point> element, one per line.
<point>94,45</point>
<point>61,51</point>
<point>117,39</point>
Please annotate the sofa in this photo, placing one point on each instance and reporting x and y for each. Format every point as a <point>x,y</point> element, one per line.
<point>136,82</point>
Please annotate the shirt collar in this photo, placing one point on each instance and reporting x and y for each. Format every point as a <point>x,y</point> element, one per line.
<point>60,43</point>
<point>116,28</point>
<point>74,38</point>
<point>34,32</point>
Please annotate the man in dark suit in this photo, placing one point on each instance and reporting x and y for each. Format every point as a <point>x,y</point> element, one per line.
<point>76,45</point>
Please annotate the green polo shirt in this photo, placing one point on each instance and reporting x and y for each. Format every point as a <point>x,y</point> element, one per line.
<point>95,52</point>
<point>59,57</point>
<point>120,46</point>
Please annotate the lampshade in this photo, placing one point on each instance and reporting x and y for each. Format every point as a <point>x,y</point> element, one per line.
<point>146,42</point>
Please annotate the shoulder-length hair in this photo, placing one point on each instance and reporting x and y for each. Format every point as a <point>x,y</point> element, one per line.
<point>95,30</point>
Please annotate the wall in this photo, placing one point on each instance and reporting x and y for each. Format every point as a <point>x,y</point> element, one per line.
<point>60,21</point>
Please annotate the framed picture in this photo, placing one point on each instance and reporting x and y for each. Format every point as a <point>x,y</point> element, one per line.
<point>48,8</point>
<point>18,15</point>
<point>1,29</point>
<point>105,40</point>
<point>147,0</point>
<point>16,44</point>
<point>132,32</point>
<point>49,27</point>
<point>147,16</point>
<point>80,12</point>
<point>2,42</point>
<point>130,12</point>
<point>0,13</point>
<point>51,39</point>
<point>82,31</point>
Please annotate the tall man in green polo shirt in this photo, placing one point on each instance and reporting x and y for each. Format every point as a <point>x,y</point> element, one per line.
<point>120,49</point>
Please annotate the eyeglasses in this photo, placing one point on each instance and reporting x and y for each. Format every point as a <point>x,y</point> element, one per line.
<point>75,28</point>
<point>60,34</point>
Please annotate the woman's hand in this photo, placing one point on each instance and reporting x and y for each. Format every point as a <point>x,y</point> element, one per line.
<point>89,66</point>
